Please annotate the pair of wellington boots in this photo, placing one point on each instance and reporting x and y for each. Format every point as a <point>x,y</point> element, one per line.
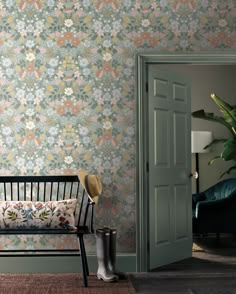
<point>106,255</point>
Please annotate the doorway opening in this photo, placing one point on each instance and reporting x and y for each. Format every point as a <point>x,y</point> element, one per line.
<point>220,65</point>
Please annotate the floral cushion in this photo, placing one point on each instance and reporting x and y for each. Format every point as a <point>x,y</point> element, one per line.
<point>38,215</point>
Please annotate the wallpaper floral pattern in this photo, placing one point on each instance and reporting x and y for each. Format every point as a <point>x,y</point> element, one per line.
<point>67,96</point>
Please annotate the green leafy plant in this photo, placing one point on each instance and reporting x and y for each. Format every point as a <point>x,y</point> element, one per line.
<point>228,119</point>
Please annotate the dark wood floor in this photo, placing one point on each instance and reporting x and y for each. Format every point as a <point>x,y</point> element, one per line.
<point>210,270</point>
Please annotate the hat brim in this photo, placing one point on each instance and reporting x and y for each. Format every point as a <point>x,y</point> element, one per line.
<point>82,174</point>
<point>91,183</point>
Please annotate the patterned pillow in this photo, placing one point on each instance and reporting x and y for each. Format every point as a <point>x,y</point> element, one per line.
<point>38,215</point>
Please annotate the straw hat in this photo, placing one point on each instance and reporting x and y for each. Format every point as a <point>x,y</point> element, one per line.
<point>91,184</point>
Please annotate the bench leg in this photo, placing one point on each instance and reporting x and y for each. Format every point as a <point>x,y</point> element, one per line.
<point>85,257</point>
<point>84,260</point>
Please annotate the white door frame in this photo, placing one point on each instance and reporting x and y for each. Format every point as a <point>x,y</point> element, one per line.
<point>142,59</point>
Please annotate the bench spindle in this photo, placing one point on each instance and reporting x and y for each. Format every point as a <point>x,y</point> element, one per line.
<point>71,188</point>
<point>18,191</point>
<point>58,185</point>
<point>5,194</point>
<point>11,192</point>
<point>24,190</point>
<point>64,193</point>
<point>44,191</point>
<point>51,191</point>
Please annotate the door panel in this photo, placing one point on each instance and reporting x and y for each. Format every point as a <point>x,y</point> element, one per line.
<point>162,214</point>
<point>160,88</point>
<point>179,139</point>
<point>161,154</point>
<point>180,92</point>
<point>181,212</point>
<point>169,139</point>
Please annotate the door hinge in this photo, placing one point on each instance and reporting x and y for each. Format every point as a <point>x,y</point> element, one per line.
<point>146,87</point>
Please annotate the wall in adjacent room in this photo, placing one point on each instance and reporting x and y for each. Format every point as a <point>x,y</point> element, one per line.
<point>207,79</point>
<point>67,98</point>
<point>218,80</point>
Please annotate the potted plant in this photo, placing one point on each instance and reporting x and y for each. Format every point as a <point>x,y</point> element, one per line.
<point>228,119</point>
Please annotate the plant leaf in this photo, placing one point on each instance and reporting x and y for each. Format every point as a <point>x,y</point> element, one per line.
<point>213,159</point>
<point>43,215</point>
<point>229,171</point>
<point>229,152</point>
<point>214,142</point>
<point>211,117</point>
<point>12,215</point>
<point>229,111</point>
<point>229,121</point>
<point>224,106</point>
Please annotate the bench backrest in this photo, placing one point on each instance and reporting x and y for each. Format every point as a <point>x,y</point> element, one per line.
<point>50,188</point>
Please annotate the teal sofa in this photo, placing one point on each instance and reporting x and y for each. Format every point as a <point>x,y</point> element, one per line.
<point>214,210</point>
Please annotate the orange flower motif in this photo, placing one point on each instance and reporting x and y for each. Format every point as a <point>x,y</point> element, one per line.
<point>215,41</point>
<point>69,78</point>
<point>75,41</point>
<point>113,3</point>
<point>229,42</point>
<point>37,4</point>
<point>190,3</point>
<point>61,42</point>
<point>145,35</point>
<point>68,10</point>
<point>68,146</point>
<point>75,109</point>
<point>222,35</point>
<point>30,136</point>
<point>60,110</point>
<point>22,73</point>
<point>68,171</point>
<point>138,41</point>
<point>107,67</point>
<point>30,68</point>
<point>99,73</point>
<point>68,35</point>
<point>68,104</point>
<point>152,42</point>
<point>107,136</point>
<point>37,141</point>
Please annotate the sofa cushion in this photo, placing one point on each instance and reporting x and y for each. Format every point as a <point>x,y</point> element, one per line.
<point>38,215</point>
<point>221,190</point>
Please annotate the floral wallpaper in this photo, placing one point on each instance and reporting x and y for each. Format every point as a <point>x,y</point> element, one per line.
<point>67,97</point>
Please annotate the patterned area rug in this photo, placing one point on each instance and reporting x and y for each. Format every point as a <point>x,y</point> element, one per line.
<point>60,284</point>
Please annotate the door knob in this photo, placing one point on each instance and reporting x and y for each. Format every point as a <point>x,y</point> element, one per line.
<point>194,175</point>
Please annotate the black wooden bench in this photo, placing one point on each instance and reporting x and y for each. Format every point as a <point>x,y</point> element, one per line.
<point>18,189</point>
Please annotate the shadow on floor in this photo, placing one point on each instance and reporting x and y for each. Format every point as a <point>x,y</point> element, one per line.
<point>211,270</point>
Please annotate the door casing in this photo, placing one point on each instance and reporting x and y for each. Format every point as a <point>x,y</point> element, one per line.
<point>142,59</point>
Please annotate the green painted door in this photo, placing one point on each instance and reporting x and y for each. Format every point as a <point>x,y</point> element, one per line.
<point>169,156</point>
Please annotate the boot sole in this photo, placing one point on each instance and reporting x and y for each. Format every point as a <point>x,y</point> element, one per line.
<point>107,281</point>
